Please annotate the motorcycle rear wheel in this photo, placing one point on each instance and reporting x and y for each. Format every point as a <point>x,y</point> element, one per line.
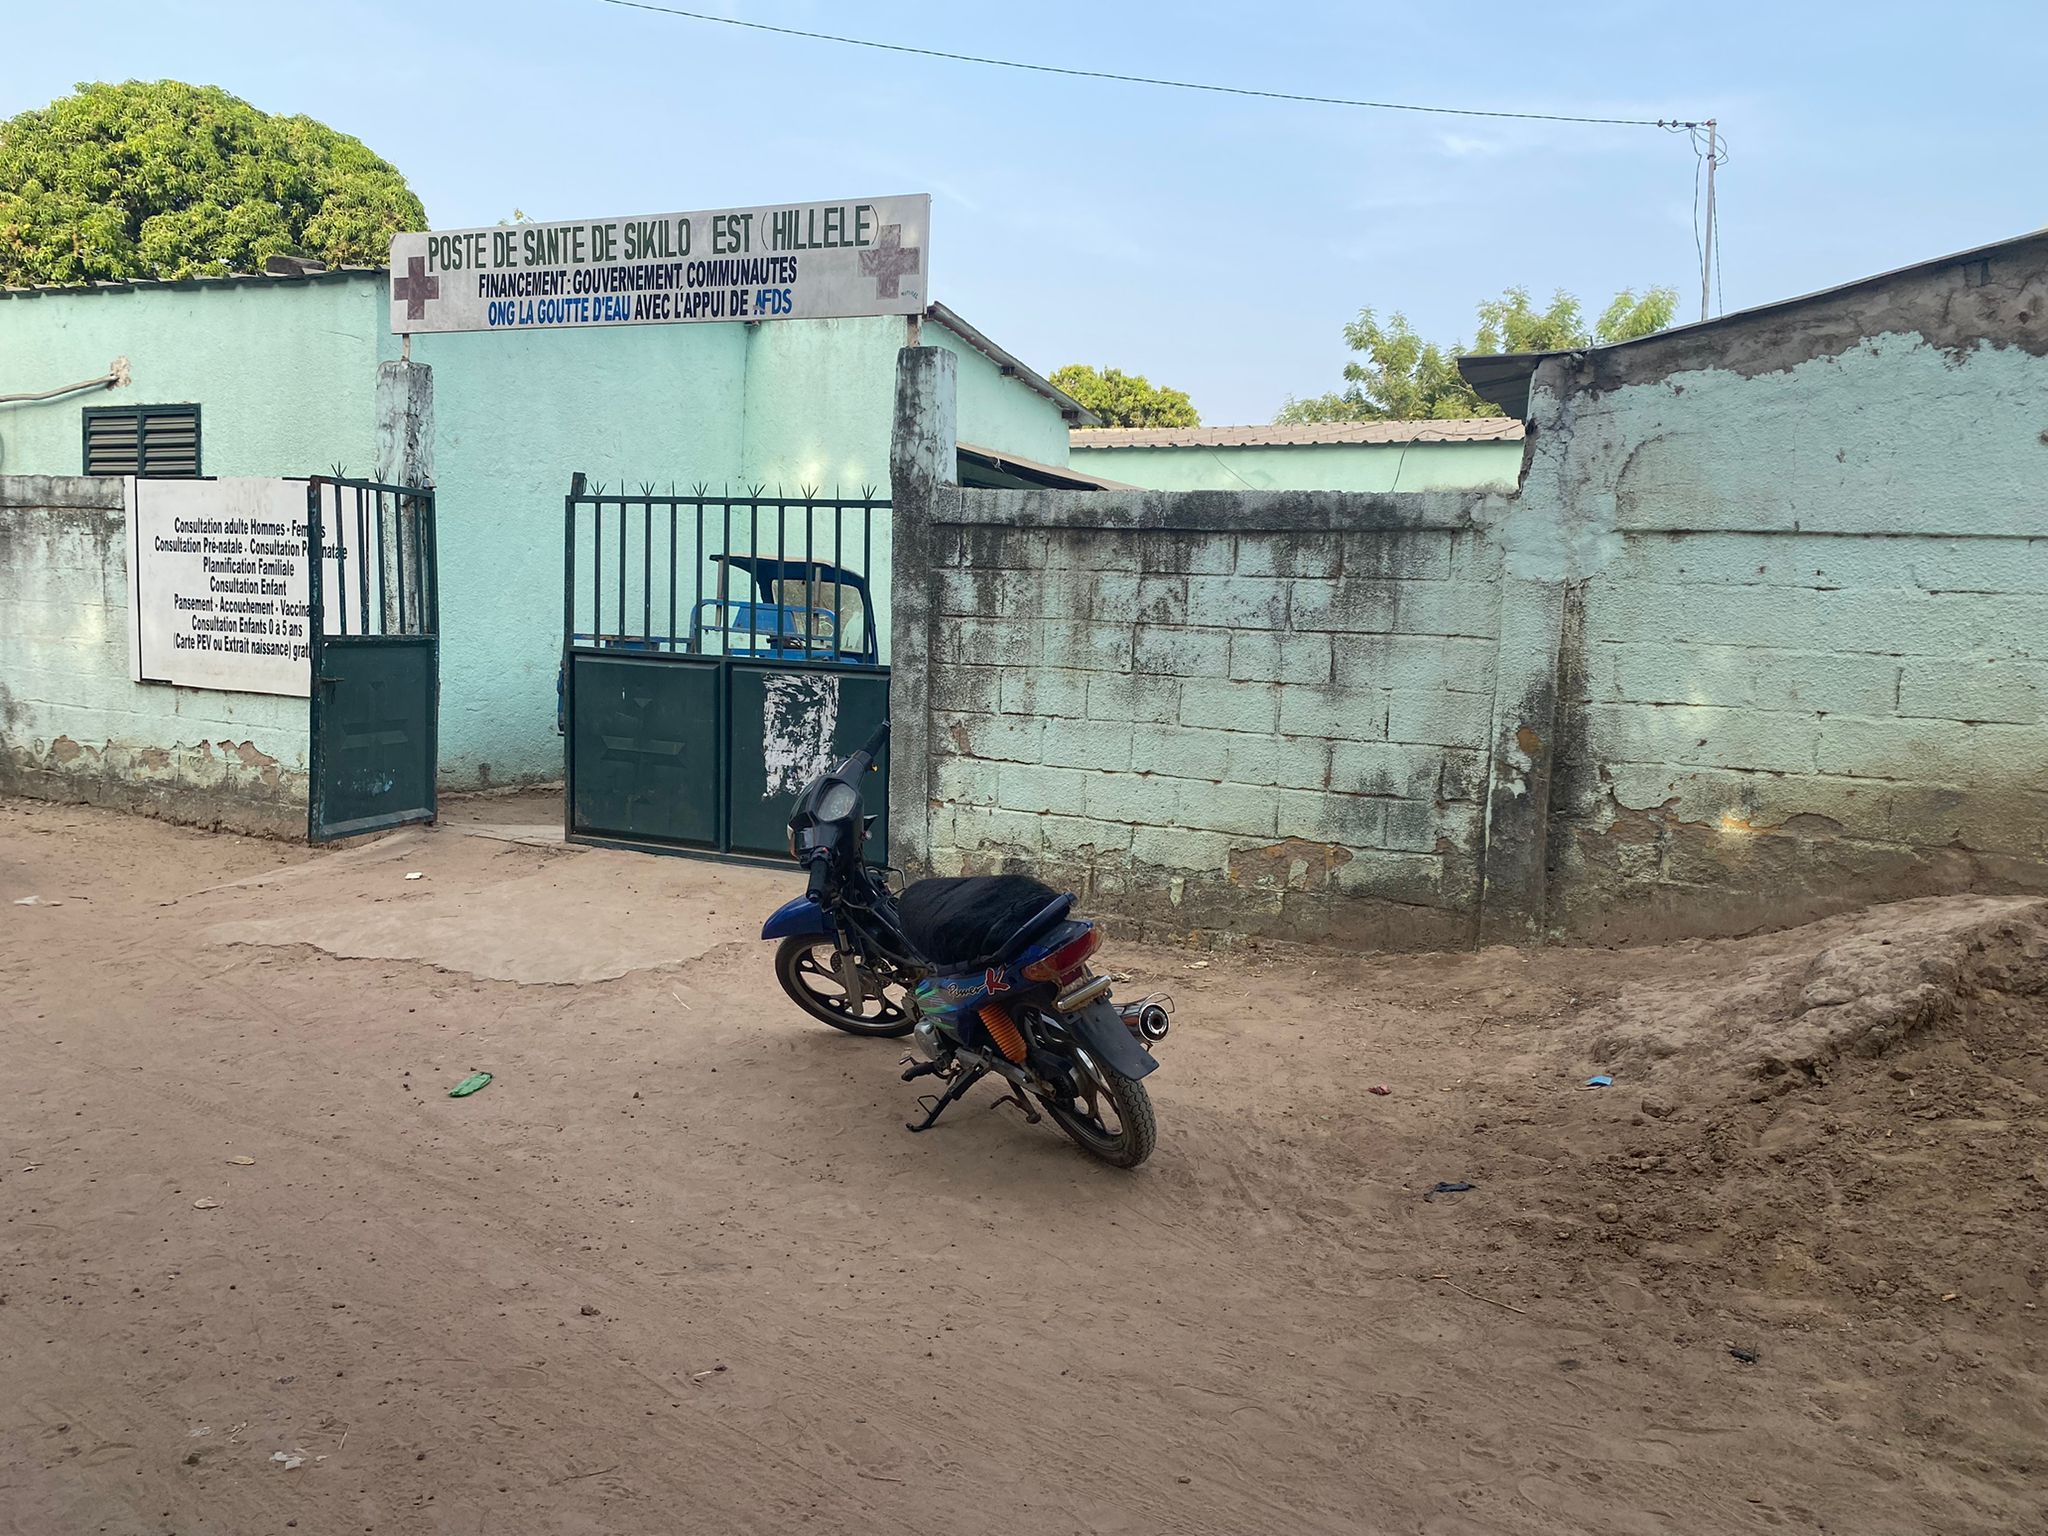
<point>812,982</point>
<point>1110,1117</point>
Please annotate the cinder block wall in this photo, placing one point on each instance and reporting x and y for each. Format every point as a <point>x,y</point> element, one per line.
<point>1810,666</point>
<point>1759,637</point>
<point>1258,714</point>
<point>74,727</point>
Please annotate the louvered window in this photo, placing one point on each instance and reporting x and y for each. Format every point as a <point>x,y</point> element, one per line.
<point>159,441</point>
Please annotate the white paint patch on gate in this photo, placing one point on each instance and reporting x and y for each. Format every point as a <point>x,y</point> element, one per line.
<point>799,718</point>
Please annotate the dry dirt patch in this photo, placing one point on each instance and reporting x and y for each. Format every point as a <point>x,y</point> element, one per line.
<point>507,1313</point>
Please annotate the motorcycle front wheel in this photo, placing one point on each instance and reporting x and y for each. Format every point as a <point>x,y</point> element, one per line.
<point>808,966</point>
<point>1109,1116</point>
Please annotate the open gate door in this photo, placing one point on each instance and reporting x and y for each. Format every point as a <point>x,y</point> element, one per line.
<point>376,654</point>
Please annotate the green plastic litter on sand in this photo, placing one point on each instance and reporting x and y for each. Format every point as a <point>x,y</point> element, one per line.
<point>469,1085</point>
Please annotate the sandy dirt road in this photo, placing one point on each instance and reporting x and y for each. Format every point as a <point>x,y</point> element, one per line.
<point>679,1268</point>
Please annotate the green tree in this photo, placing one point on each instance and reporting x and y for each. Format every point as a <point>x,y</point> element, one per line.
<point>1120,399</point>
<point>159,179</point>
<point>1628,317</point>
<point>1404,378</point>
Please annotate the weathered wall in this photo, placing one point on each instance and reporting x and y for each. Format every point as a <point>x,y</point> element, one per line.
<point>1207,712</point>
<point>1308,467</point>
<point>72,724</point>
<point>1760,637</point>
<point>1804,665</point>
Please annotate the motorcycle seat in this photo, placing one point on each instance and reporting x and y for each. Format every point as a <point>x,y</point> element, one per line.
<point>975,921</point>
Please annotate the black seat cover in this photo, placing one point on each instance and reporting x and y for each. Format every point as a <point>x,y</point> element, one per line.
<point>970,920</point>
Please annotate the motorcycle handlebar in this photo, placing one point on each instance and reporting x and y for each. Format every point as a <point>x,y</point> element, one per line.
<point>874,742</point>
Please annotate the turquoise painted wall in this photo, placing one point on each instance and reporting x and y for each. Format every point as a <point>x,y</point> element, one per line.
<point>1810,669</point>
<point>998,412</point>
<point>282,371</point>
<point>1309,467</point>
<point>781,405</point>
<point>285,376</point>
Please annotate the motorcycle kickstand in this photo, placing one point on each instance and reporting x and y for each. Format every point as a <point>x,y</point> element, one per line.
<point>938,1106</point>
<point>1016,1096</point>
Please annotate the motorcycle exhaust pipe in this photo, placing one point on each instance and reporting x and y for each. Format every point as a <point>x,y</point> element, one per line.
<point>1147,1020</point>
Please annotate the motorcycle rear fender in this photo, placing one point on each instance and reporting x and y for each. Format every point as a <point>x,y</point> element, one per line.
<point>1102,1029</point>
<point>792,918</point>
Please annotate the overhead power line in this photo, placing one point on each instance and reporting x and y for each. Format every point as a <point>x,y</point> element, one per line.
<point>1177,85</point>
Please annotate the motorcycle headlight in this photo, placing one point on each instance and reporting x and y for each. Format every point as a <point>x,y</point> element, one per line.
<point>839,801</point>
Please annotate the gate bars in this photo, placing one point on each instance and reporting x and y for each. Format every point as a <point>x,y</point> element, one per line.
<point>714,643</point>
<point>653,572</point>
<point>393,590</point>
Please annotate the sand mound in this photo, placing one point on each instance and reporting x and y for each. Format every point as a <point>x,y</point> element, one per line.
<point>1852,1115</point>
<point>1800,1002</point>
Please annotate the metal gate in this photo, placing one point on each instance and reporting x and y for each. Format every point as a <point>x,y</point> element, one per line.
<point>719,651</point>
<point>376,651</point>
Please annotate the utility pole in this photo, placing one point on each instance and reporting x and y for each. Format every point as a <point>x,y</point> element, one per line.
<point>1707,249</point>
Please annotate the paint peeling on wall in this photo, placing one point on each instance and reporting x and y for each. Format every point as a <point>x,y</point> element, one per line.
<point>75,727</point>
<point>799,719</point>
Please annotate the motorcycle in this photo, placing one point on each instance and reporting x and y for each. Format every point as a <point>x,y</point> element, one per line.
<point>987,975</point>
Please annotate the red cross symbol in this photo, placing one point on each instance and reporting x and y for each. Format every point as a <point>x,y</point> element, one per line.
<point>889,261</point>
<point>416,288</point>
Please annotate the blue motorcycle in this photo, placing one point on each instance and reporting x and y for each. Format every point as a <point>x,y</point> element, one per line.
<point>986,975</point>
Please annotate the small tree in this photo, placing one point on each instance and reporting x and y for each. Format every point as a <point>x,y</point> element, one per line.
<point>1404,378</point>
<point>159,179</point>
<point>1120,399</point>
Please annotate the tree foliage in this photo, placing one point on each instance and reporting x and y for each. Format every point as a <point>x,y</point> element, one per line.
<point>1401,377</point>
<point>159,179</point>
<point>1120,399</point>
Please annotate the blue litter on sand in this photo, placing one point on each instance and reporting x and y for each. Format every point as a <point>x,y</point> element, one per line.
<point>1446,1187</point>
<point>1602,1081</point>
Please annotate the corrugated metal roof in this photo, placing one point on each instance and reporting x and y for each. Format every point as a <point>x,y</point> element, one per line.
<point>1005,362</point>
<point>1010,366</point>
<point>229,280</point>
<point>1031,472</point>
<point>1463,429</point>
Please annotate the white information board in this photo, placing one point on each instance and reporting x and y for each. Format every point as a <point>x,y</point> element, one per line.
<point>791,261</point>
<point>217,588</point>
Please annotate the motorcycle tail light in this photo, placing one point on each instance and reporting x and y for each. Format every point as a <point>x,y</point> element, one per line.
<point>1067,960</point>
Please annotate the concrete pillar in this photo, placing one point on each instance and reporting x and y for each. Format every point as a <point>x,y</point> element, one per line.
<point>1513,888</point>
<point>923,466</point>
<point>405,424</point>
<point>405,456</point>
<point>1554,534</point>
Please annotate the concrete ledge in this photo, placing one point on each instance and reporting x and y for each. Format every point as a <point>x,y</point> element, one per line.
<point>1217,511</point>
<point>100,492</point>
<point>249,803</point>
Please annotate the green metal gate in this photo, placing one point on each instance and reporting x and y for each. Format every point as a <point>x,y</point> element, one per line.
<point>375,640</point>
<point>718,652</point>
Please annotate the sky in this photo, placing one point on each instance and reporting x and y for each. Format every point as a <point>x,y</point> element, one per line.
<point>1213,243</point>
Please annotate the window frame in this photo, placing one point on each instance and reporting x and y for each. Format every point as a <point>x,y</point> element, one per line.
<point>140,415</point>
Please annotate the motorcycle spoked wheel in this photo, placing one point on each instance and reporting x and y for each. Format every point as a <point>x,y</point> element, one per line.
<point>1109,1116</point>
<point>807,965</point>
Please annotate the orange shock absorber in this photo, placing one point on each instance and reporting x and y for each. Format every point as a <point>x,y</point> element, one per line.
<point>1009,1039</point>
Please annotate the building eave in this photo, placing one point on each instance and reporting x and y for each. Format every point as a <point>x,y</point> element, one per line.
<point>1011,367</point>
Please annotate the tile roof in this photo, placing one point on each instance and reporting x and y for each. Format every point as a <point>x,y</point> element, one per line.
<point>1468,429</point>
